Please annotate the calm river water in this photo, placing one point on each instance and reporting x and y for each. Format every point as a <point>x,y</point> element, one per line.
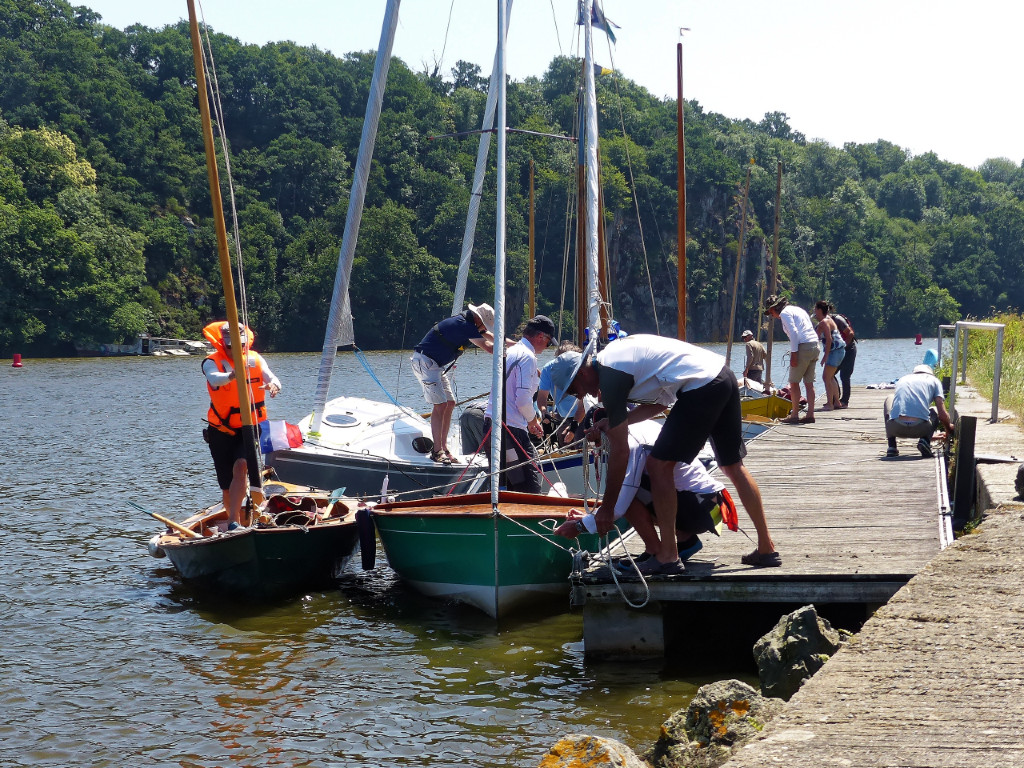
<point>109,660</point>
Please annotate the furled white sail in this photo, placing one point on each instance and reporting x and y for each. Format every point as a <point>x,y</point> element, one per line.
<point>593,222</point>
<point>478,181</point>
<point>339,322</point>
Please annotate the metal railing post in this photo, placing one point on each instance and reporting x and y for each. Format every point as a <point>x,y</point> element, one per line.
<point>963,356</point>
<point>956,361</point>
<point>997,374</point>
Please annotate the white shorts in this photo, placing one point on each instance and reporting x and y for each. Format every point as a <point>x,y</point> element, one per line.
<point>436,387</point>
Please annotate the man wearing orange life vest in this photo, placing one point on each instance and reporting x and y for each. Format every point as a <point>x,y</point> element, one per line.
<point>234,457</point>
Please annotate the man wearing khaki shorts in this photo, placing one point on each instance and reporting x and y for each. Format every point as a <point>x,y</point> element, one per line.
<point>803,354</point>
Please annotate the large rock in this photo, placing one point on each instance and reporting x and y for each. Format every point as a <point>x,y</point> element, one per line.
<point>796,648</point>
<point>585,751</point>
<point>722,716</point>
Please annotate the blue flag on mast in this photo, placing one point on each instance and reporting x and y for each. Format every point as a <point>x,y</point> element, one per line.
<point>599,21</point>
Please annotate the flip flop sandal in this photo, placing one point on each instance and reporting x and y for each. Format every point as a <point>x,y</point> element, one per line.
<point>807,420</point>
<point>440,457</point>
<point>790,420</point>
<point>451,458</point>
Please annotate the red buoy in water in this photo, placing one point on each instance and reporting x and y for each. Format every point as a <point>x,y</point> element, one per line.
<point>917,340</point>
<point>17,361</point>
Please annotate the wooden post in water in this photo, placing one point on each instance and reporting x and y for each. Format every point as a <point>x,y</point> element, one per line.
<point>775,272</point>
<point>963,474</point>
<point>681,195</point>
<point>739,258</point>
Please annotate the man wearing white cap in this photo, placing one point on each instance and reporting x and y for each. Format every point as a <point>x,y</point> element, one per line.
<point>753,367</point>
<point>908,411</point>
<point>433,358</point>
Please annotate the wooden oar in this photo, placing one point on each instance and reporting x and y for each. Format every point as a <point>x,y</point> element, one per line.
<point>170,523</point>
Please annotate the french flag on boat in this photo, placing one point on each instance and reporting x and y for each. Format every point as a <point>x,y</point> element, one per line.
<point>279,435</point>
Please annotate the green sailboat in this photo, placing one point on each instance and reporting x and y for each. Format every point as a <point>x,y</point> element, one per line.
<point>496,551</point>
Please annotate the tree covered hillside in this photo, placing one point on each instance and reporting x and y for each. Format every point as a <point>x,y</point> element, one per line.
<point>106,227</point>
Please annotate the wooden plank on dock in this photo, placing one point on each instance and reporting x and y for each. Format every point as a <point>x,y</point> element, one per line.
<point>851,525</point>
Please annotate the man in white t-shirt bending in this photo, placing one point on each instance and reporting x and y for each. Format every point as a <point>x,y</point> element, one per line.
<point>655,373</point>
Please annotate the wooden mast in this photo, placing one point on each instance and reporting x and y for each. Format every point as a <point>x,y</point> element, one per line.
<point>681,183</point>
<point>224,255</point>
<point>533,282</point>
<point>581,227</point>
<point>739,259</point>
<point>775,270</point>
<point>602,266</point>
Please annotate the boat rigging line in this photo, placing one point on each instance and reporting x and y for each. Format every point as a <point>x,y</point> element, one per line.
<point>542,134</point>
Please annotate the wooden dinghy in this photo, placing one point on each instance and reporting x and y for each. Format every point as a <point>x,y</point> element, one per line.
<point>299,539</point>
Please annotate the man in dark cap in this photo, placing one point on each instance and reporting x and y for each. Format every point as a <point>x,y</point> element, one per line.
<point>521,418</point>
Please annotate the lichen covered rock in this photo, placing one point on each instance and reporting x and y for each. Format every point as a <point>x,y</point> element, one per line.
<point>583,751</point>
<point>721,716</point>
<point>796,648</point>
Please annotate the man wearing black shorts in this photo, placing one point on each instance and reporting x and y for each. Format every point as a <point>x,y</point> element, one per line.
<point>656,373</point>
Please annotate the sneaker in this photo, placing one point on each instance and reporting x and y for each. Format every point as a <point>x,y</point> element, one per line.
<point>654,567</point>
<point>759,560</point>
<point>690,547</point>
<point>233,526</point>
<point>924,445</point>
<point>891,453</point>
<point>623,565</point>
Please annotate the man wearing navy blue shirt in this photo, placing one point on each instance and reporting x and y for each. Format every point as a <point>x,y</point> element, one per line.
<point>434,357</point>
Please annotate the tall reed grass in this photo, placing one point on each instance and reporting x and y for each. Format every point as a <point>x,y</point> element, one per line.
<point>981,361</point>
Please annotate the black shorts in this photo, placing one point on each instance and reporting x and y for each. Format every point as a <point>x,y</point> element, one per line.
<point>226,450</point>
<point>693,512</point>
<point>711,411</point>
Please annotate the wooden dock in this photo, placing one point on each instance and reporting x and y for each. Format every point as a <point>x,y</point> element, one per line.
<point>934,679</point>
<point>852,527</point>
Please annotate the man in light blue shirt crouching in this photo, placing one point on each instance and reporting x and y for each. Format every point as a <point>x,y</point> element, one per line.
<point>908,411</point>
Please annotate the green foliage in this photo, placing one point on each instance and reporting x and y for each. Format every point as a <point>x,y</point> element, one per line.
<point>106,227</point>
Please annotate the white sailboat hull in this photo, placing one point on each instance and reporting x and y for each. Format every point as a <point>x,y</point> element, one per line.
<point>363,442</point>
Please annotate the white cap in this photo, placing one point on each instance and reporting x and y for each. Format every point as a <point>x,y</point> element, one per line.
<point>486,314</point>
<point>924,369</point>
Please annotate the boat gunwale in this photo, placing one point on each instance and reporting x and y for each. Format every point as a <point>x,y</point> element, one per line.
<point>511,503</point>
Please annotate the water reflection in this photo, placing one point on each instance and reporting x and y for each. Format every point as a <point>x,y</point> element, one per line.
<point>109,660</point>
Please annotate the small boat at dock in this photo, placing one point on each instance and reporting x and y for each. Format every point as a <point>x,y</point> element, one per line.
<point>300,539</point>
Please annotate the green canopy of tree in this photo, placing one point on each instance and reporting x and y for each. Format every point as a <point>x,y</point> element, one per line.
<point>106,227</point>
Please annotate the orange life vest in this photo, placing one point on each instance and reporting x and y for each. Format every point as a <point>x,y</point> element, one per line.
<point>225,412</point>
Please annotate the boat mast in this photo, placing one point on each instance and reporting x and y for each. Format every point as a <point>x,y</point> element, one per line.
<point>775,270</point>
<point>593,305</point>
<point>681,183</point>
<point>237,359</point>
<point>339,322</point>
<point>739,258</point>
<point>478,181</point>
<point>498,357</point>
<point>532,307</point>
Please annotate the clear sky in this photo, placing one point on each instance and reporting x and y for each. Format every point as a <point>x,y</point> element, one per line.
<point>926,75</point>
